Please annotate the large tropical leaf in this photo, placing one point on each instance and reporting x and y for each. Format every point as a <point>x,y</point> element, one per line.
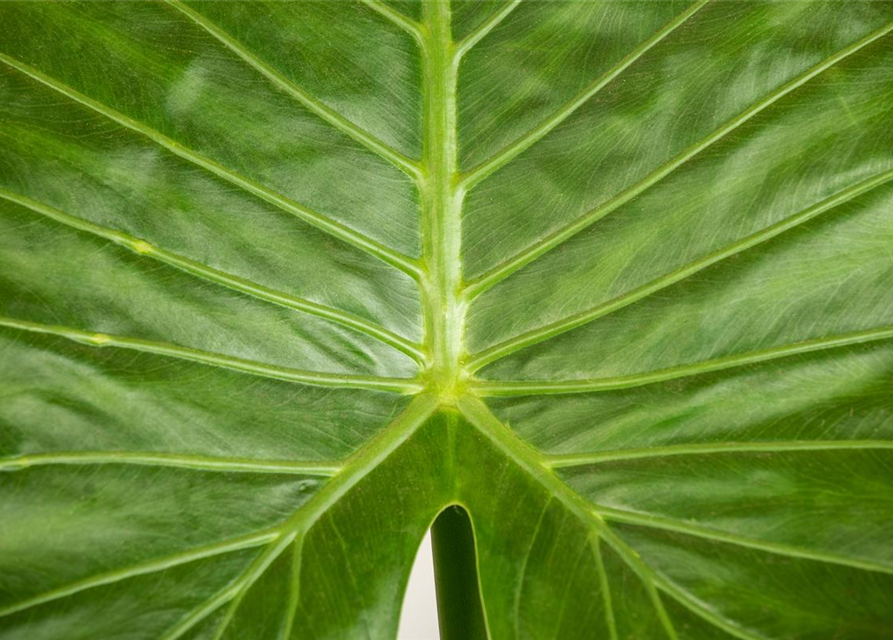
<point>283,281</point>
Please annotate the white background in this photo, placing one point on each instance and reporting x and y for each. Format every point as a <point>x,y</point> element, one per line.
<point>418,620</point>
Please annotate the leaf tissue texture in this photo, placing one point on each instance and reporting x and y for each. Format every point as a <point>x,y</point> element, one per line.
<point>282,282</point>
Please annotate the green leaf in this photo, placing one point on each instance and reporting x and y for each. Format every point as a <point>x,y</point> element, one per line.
<point>604,289</point>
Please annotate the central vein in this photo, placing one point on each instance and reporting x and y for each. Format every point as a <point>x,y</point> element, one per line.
<point>441,200</point>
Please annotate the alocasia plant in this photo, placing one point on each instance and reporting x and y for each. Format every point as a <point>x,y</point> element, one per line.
<point>607,286</point>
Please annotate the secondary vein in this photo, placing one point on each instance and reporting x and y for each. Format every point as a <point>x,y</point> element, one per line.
<point>323,379</point>
<point>559,461</point>
<point>326,113</point>
<point>502,158</point>
<point>409,25</point>
<point>715,535</point>
<point>223,464</point>
<point>485,29</point>
<point>547,387</point>
<point>328,225</point>
<point>235,283</point>
<point>536,336</point>
<point>505,269</point>
<point>355,468</point>
<point>479,415</point>
<point>653,581</point>
<point>152,566</point>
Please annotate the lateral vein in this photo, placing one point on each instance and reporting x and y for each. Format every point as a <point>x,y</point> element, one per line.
<point>505,269</point>
<point>561,461</point>
<point>575,321</point>
<point>286,85</point>
<point>204,610</point>
<point>324,223</point>
<point>354,469</point>
<point>484,30</point>
<point>546,387</point>
<point>610,617</point>
<point>409,25</point>
<point>678,526</point>
<point>513,150</point>
<point>235,283</point>
<point>394,385</point>
<point>182,461</point>
<point>153,566</point>
<point>479,415</point>
<point>653,581</point>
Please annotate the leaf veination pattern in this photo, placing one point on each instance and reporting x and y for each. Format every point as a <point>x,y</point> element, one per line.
<point>446,380</point>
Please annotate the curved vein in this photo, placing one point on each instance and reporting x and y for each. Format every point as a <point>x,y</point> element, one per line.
<point>153,566</point>
<point>653,580</point>
<point>235,283</point>
<point>276,539</point>
<point>678,526</point>
<point>203,611</point>
<point>314,105</point>
<point>181,461</point>
<point>324,223</point>
<point>478,414</point>
<point>409,25</point>
<point>559,327</point>
<point>606,588</point>
<point>502,158</point>
<point>546,387</point>
<point>484,30</point>
<point>546,244</point>
<point>294,588</point>
<point>394,385</point>
<point>355,468</point>
<point>561,461</point>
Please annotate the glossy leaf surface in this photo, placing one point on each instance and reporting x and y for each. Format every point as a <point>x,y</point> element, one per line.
<point>283,281</point>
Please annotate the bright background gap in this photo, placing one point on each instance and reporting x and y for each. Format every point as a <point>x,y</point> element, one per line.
<point>418,620</point>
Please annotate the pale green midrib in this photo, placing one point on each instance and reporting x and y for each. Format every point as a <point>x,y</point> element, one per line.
<point>409,25</point>
<point>232,282</point>
<point>330,226</point>
<point>715,535</point>
<point>441,202</point>
<point>486,168</point>
<point>156,564</point>
<point>376,383</point>
<point>224,464</point>
<point>544,387</point>
<point>530,338</point>
<point>566,460</point>
<point>503,270</point>
<point>479,415</point>
<point>315,106</point>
